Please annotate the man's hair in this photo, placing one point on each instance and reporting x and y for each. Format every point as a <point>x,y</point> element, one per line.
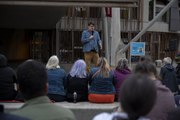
<point>167,60</point>
<point>32,79</point>
<point>145,58</point>
<point>137,95</point>
<point>146,68</point>
<point>90,23</point>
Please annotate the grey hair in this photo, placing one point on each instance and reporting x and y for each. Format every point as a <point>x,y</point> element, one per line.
<point>53,62</point>
<point>167,60</point>
<point>123,63</point>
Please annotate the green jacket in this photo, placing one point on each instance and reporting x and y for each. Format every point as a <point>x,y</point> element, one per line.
<point>41,108</point>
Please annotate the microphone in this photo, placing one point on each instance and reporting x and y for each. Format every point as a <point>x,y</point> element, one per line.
<point>92,33</point>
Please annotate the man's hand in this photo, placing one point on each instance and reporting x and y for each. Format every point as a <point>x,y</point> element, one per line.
<point>91,37</point>
<point>100,47</point>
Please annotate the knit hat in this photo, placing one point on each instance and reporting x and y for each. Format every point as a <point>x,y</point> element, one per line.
<point>177,58</point>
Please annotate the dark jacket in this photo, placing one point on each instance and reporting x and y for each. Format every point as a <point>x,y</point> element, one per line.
<point>78,85</point>
<point>100,84</point>
<point>56,81</point>
<point>178,73</point>
<point>120,76</point>
<point>168,75</point>
<point>164,103</point>
<point>7,80</point>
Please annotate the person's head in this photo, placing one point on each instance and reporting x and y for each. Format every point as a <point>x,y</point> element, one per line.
<point>53,62</point>
<point>122,64</point>
<point>145,58</point>
<point>167,60</point>
<point>79,69</point>
<point>177,58</point>
<point>32,79</point>
<point>137,96</point>
<point>3,60</point>
<point>90,26</point>
<point>104,66</point>
<point>148,69</point>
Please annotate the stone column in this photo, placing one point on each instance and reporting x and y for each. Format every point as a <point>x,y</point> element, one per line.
<point>116,42</point>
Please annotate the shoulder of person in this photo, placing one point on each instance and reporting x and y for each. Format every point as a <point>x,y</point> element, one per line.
<point>96,32</point>
<point>84,31</point>
<point>107,116</point>
<point>62,70</point>
<point>103,116</point>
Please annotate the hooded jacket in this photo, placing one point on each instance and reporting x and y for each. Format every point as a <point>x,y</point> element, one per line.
<point>7,80</point>
<point>120,76</point>
<point>168,75</point>
<point>178,73</point>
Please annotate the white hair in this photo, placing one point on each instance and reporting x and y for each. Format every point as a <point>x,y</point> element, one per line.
<point>167,60</point>
<point>79,69</point>
<point>53,62</point>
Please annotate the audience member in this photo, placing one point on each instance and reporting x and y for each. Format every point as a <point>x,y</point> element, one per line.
<point>77,82</point>
<point>174,114</point>
<point>168,75</point>
<point>145,58</point>
<point>165,99</point>
<point>6,116</point>
<point>121,73</point>
<point>56,80</point>
<point>7,80</point>
<point>32,80</point>
<point>137,97</point>
<point>177,58</point>
<point>102,83</point>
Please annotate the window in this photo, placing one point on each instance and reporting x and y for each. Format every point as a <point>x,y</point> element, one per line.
<point>133,13</point>
<point>124,13</point>
<point>128,13</point>
<point>164,18</point>
<point>159,6</point>
<point>151,9</point>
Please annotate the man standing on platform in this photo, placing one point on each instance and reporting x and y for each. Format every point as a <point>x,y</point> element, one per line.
<point>91,45</point>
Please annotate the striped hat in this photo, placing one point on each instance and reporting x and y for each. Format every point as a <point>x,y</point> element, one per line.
<point>177,58</point>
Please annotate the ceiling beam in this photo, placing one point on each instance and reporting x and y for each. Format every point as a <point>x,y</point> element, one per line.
<point>67,3</point>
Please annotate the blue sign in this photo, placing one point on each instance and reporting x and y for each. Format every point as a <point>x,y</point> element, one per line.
<point>137,48</point>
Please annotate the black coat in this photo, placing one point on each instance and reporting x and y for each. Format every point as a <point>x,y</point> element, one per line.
<point>178,73</point>
<point>168,75</point>
<point>7,80</point>
<point>78,85</point>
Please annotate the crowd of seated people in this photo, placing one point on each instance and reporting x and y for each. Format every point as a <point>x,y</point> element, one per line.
<point>103,84</point>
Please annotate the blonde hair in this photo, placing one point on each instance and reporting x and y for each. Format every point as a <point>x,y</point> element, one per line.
<point>104,67</point>
<point>53,62</point>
